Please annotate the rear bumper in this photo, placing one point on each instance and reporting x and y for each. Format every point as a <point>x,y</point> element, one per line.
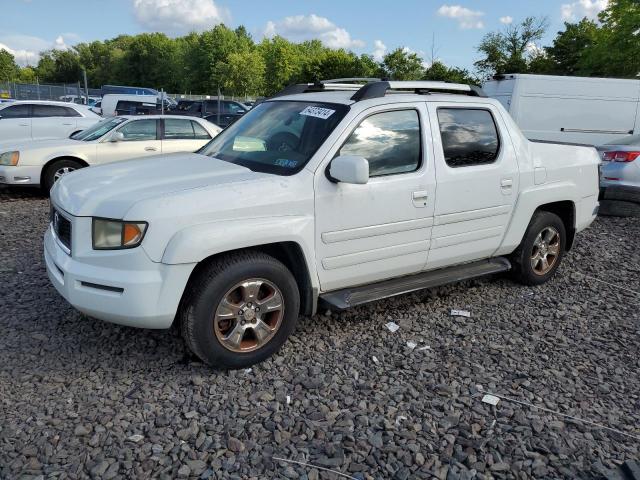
<point>145,298</point>
<point>20,175</point>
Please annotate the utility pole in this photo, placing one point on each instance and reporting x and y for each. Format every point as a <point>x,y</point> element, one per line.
<point>86,87</point>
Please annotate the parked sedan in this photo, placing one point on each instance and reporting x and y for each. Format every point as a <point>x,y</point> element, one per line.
<point>30,120</point>
<point>621,165</point>
<point>120,138</point>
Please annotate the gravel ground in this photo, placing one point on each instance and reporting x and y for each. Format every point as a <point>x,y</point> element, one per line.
<point>80,398</point>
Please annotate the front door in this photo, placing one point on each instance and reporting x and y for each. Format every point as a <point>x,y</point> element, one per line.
<point>366,233</point>
<point>477,182</point>
<point>140,138</point>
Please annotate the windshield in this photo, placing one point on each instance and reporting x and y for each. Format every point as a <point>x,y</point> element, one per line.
<point>98,130</point>
<point>277,137</point>
<point>631,140</point>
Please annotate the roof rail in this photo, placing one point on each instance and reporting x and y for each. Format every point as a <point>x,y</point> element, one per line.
<point>335,84</point>
<point>376,88</point>
<point>379,89</point>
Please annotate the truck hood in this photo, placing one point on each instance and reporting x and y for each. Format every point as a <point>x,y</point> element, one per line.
<point>111,190</point>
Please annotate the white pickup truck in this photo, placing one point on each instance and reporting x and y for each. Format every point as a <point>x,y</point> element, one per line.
<point>329,192</point>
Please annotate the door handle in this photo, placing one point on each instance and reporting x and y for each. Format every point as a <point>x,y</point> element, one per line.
<point>151,149</point>
<point>420,198</point>
<point>24,124</point>
<point>68,124</point>
<point>421,195</point>
<point>506,183</point>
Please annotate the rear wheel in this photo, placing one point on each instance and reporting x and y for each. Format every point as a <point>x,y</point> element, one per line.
<point>539,255</point>
<point>240,310</point>
<point>57,170</point>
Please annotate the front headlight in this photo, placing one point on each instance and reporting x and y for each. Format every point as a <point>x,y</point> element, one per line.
<point>117,234</point>
<point>9,158</point>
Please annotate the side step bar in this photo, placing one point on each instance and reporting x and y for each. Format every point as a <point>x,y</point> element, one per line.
<point>349,297</point>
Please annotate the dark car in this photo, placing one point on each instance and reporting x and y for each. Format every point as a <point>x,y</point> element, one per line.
<point>230,110</point>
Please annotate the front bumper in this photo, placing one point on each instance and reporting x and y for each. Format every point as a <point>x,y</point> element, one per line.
<point>20,174</point>
<point>146,297</point>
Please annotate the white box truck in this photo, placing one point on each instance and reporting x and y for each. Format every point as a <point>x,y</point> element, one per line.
<point>583,110</point>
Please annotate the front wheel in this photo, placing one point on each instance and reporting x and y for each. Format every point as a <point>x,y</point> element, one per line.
<point>240,309</point>
<point>539,255</point>
<point>56,171</point>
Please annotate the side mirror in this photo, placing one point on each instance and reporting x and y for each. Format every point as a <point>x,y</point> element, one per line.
<point>350,169</point>
<point>117,137</point>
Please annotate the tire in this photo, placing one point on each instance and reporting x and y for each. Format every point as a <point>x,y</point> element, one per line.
<point>523,257</point>
<point>626,194</point>
<point>208,324</point>
<point>52,172</point>
<point>616,208</point>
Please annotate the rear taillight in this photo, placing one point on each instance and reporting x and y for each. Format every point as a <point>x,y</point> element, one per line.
<point>621,156</point>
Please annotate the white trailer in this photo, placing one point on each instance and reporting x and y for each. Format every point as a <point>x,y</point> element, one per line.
<point>569,109</point>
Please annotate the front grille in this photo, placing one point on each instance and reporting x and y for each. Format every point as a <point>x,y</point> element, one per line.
<point>62,228</point>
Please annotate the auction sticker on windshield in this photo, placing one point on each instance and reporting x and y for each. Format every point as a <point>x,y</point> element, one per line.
<point>318,112</point>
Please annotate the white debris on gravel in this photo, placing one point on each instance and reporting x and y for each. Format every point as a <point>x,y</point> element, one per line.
<point>490,399</point>
<point>411,345</point>
<point>460,313</point>
<point>392,327</point>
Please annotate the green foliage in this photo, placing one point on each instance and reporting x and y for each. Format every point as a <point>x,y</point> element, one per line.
<point>511,50</point>
<point>402,64</point>
<point>438,71</point>
<point>9,71</point>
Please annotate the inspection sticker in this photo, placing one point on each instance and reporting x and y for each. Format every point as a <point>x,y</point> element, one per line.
<point>318,112</point>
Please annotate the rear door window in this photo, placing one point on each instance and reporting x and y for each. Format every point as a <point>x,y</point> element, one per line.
<point>178,129</point>
<point>43,111</point>
<point>469,136</point>
<point>200,132</point>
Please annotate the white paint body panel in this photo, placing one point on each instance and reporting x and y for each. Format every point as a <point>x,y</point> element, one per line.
<point>591,111</point>
<point>197,206</point>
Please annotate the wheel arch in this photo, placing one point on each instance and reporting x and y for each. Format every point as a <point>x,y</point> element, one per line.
<point>290,253</point>
<point>64,157</point>
<point>566,210</point>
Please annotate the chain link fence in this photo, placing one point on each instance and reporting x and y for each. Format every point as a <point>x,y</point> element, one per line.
<point>70,92</point>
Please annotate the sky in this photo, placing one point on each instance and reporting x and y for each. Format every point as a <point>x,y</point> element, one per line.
<point>452,30</point>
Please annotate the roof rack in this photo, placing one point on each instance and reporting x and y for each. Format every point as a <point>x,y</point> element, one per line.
<point>377,88</point>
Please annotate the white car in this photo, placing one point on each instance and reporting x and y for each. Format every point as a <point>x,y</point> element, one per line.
<point>43,162</point>
<point>31,120</point>
<point>338,193</point>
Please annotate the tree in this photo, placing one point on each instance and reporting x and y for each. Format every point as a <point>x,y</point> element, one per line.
<point>243,73</point>
<point>283,63</point>
<point>511,50</point>
<point>570,49</point>
<point>616,51</point>
<point>401,64</point>
<point>9,70</point>
<point>438,71</point>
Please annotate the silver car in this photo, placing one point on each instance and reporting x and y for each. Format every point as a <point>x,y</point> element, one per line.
<point>621,164</point>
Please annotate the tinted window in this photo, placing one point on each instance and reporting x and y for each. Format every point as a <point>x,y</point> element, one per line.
<point>469,137</point>
<point>390,141</point>
<point>139,130</point>
<point>15,111</point>
<point>200,132</point>
<point>41,111</point>
<point>178,129</point>
<point>234,108</point>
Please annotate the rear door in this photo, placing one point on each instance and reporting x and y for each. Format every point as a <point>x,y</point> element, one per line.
<point>183,135</point>
<point>15,123</point>
<point>477,182</point>
<point>141,138</point>
<point>53,121</point>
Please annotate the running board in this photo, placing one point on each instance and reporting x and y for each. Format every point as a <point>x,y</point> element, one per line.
<point>349,297</point>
